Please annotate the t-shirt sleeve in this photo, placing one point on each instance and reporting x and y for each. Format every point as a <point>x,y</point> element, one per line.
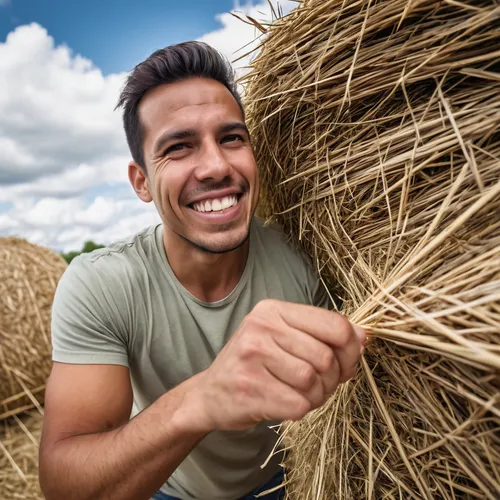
<point>86,328</point>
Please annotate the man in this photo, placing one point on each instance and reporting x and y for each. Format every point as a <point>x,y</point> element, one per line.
<point>177,350</point>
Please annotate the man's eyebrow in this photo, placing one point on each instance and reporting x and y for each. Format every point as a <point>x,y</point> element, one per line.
<point>230,127</point>
<point>172,136</point>
<point>187,133</point>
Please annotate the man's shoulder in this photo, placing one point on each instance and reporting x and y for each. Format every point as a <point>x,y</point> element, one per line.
<point>125,248</point>
<point>288,263</point>
<point>98,299</point>
<point>277,253</point>
<point>274,242</point>
<point>118,259</point>
<point>269,231</point>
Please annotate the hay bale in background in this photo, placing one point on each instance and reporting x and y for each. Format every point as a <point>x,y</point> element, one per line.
<point>28,279</point>
<point>19,442</point>
<point>376,125</point>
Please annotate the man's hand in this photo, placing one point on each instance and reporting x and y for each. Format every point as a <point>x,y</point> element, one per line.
<point>285,360</point>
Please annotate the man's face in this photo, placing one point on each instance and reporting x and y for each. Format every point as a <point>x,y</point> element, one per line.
<point>201,169</point>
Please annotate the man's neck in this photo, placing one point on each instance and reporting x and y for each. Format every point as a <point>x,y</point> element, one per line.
<point>208,276</point>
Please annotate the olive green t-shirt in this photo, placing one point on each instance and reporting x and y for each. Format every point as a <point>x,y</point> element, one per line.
<point>124,305</point>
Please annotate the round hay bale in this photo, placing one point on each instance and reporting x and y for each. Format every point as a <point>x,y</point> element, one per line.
<point>28,279</point>
<point>376,125</point>
<point>19,443</point>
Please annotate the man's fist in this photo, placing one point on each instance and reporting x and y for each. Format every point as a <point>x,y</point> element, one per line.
<point>284,360</point>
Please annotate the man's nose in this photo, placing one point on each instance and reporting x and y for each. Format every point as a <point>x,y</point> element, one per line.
<point>212,163</point>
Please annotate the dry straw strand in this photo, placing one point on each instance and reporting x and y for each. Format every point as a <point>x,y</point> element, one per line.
<point>19,441</point>
<point>29,275</point>
<point>376,127</point>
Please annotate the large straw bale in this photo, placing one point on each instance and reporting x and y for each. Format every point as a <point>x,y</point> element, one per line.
<point>376,125</point>
<point>19,442</point>
<point>28,278</point>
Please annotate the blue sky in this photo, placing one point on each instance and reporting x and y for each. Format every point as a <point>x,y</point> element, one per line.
<point>115,34</point>
<point>63,153</point>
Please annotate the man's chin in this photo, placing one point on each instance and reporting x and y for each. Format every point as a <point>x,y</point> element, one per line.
<point>217,244</point>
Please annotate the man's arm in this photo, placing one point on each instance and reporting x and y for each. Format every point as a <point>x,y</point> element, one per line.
<point>90,449</point>
<point>283,361</point>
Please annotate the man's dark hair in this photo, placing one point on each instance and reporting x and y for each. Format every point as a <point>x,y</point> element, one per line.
<point>169,65</point>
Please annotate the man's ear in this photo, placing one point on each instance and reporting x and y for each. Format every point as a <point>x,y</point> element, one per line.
<point>139,180</point>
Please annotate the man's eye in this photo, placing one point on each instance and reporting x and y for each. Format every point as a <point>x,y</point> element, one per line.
<point>174,148</point>
<point>232,138</point>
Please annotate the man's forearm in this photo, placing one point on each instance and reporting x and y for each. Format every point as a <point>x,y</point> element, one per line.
<point>130,462</point>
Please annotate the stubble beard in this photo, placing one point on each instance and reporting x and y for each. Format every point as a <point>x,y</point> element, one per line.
<point>206,247</point>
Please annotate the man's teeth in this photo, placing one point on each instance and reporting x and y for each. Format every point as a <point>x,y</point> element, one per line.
<point>216,204</point>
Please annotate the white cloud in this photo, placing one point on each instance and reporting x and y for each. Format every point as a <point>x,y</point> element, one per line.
<point>46,212</point>
<point>65,223</point>
<point>7,224</point>
<point>60,138</point>
<point>63,154</point>
<point>56,108</point>
<point>236,38</point>
<point>72,181</point>
<point>100,213</point>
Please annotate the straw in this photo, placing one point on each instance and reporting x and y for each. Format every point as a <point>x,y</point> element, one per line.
<point>28,278</point>
<point>19,441</point>
<point>376,127</point>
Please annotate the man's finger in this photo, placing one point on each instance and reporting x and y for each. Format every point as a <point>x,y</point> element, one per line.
<point>361,334</point>
<point>327,326</point>
<point>306,347</point>
<point>281,402</point>
<point>331,378</point>
<point>296,373</point>
<point>348,356</point>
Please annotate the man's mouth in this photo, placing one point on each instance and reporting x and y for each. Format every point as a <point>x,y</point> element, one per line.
<point>215,204</point>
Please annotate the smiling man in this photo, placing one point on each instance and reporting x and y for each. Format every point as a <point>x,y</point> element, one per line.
<point>176,351</point>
